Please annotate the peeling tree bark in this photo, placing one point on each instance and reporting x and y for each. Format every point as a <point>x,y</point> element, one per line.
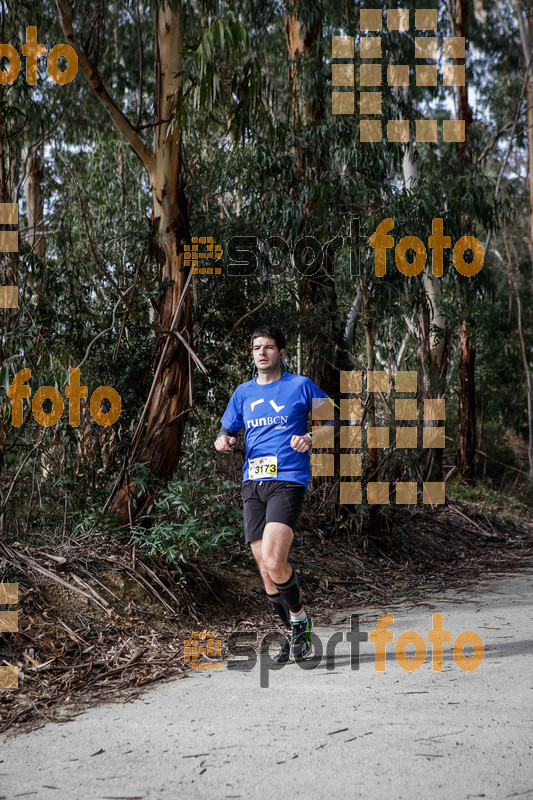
<point>171,397</point>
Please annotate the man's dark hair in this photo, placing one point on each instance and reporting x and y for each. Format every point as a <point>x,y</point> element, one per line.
<point>272,332</point>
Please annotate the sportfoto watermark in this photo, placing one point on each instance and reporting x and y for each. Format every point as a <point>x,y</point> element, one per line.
<point>248,255</point>
<point>380,637</point>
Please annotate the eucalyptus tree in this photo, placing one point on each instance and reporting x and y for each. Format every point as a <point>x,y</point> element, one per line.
<point>176,28</point>
<point>502,148</point>
<point>30,107</point>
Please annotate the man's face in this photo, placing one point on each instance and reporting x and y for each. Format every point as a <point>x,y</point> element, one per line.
<point>266,354</point>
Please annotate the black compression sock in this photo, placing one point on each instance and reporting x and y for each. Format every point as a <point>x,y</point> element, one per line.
<point>280,607</point>
<point>290,591</point>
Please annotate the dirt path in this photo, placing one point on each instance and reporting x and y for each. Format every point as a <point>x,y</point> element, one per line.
<point>329,731</point>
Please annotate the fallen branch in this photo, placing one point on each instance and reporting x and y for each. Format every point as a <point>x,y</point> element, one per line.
<point>481,530</point>
<point>135,657</point>
<point>12,555</point>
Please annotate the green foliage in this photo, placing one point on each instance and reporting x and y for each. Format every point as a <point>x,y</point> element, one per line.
<point>248,170</point>
<point>193,514</point>
<point>219,76</point>
<point>189,519</point>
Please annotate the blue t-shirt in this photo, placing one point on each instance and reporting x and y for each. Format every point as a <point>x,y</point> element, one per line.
<point>271,413</point>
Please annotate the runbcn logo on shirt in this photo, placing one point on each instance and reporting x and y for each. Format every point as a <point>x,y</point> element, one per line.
<point>259,423</point>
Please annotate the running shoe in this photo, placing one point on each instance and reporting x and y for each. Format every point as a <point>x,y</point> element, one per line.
<point>283,656</point>
<point>301,639</point>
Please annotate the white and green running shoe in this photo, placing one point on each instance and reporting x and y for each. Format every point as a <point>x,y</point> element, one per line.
<point>301,639</point>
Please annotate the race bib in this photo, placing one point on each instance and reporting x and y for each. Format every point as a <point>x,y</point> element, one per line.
<point>265,467</point>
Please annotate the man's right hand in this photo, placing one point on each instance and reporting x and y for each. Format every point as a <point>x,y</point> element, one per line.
<point>225,442</point>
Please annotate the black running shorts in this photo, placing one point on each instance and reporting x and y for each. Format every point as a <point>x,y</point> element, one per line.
<point>270,501</point>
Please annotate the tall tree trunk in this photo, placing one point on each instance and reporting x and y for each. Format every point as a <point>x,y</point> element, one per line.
<point>432,360</point>
<point>464,112</point>
<point>526,37</point>
<point>373,510</point>
<point>466,444</point>
<point>7,194</point>
<point>170,402</point>
<point>8,263</point>
<point>523,348</point>
<point>318,291</point>
<point>529,106</point>
<point>529,101</point>
<point>34,206</point>
<point>465,456</point>
<point>327,352</point>
<point>432,348</point>
<point>34,202</point>
<point>170,397</point>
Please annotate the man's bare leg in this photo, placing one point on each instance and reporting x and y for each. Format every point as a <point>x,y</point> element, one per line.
<point>271,554</point>
<point>282,586</point>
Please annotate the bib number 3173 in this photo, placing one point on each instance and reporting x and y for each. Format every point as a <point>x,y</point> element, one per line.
<point>265,467</point>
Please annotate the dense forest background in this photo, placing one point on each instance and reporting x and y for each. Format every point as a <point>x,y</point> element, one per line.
<point>214,119</point>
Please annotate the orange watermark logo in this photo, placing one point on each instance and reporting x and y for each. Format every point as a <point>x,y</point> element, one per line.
<point>199,647</point>
<point>33,50</point>
<point>437,242</point>
<point>373,73</point>
<point>196,257</point>
<point>405,434</point>
<point>74,391</point>
<point>240,644</point>
<point>9,243</point>
<point>437,636</point>
<point>9,623</point>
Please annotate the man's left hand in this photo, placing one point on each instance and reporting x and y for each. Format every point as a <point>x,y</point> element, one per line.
<point>300,443</point>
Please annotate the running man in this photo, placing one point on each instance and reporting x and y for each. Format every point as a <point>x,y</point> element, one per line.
<point>273,408</point>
